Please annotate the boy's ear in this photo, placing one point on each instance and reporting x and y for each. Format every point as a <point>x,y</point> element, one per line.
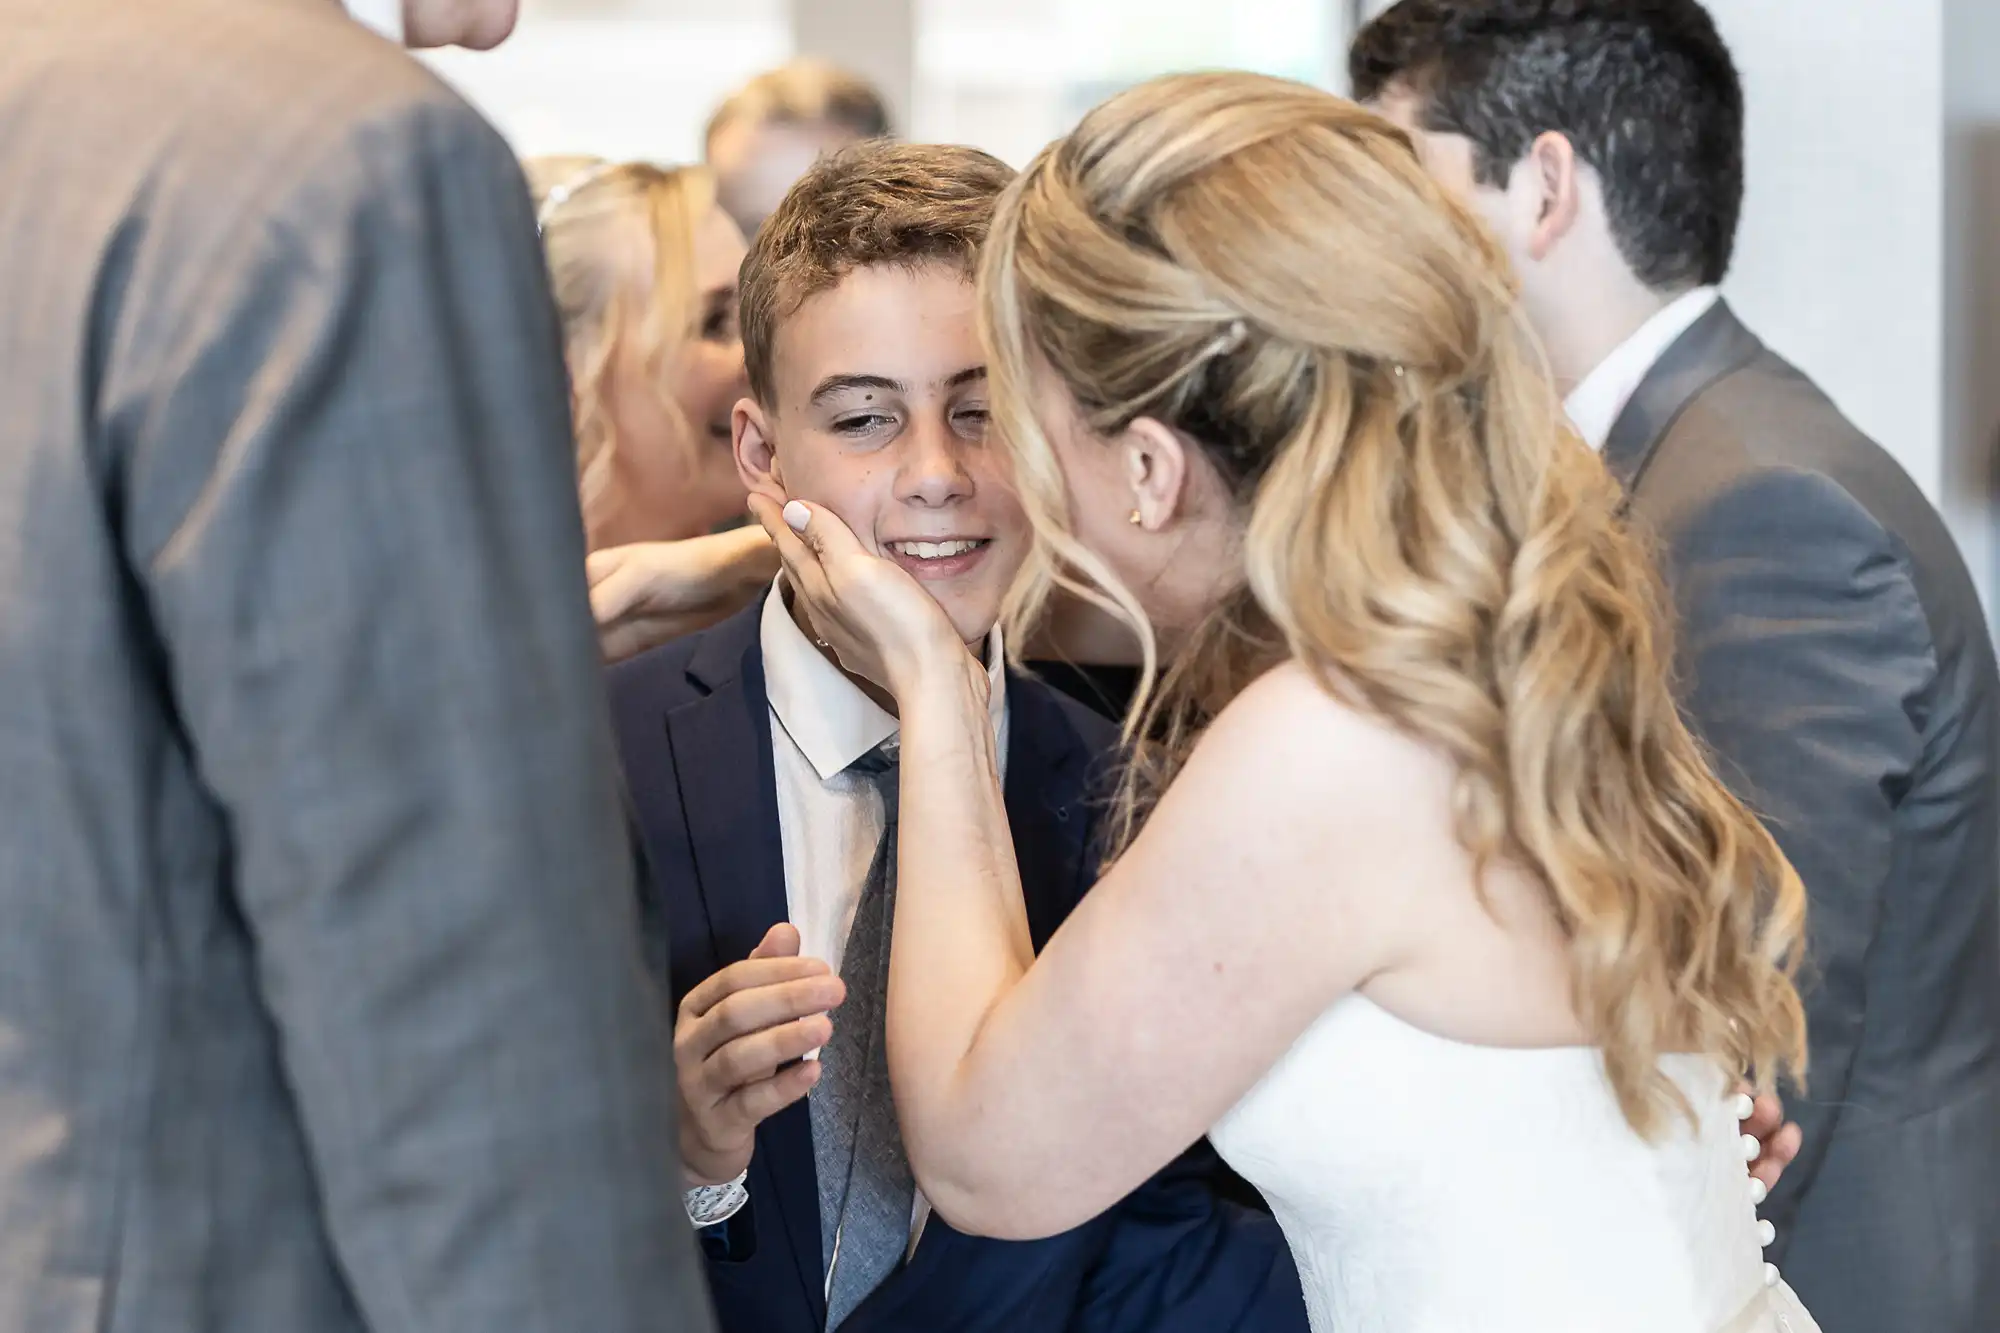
<point>756,450</point>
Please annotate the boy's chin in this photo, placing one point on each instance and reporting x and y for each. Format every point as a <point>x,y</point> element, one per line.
<point>973,623</point>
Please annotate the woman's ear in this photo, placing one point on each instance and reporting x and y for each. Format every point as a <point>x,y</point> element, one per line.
<point>1156,467</point>
<point>756,450</point>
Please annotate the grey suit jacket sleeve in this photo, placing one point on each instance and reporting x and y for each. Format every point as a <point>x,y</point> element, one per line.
<point>346,478</point>
<point>1808,650</point>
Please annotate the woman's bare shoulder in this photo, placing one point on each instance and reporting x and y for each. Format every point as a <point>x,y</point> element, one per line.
<point>1315,724</point>
<point>1294,759</point>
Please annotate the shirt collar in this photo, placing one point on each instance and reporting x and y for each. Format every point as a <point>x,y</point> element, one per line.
<point>827,715</point>
<point>1593,406</point>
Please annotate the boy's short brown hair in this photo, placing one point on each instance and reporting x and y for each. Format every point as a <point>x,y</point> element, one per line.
<point>873,204</point>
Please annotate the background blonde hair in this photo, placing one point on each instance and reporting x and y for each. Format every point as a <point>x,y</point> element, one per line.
<point>1269,270</point>
<point>619,238</point>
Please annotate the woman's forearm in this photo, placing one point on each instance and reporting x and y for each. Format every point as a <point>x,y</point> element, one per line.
<point>961,938</point>
<point>749,561</point>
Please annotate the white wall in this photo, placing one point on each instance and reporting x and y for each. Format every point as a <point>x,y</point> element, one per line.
<point>1870,250</point>
<point>1971,279</point>
<point>638,78</point>
<point>874,38</point>
<point>1840,257</point>
<point>1010,75</point>
<point>635,79</point>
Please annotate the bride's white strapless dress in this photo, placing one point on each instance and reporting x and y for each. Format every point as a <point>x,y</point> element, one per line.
<point>1429,1186</point>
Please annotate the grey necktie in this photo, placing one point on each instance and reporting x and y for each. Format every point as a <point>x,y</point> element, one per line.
<point>865,1187</point>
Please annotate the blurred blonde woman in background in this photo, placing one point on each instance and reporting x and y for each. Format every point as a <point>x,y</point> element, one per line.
<point>1426,908</point>
<point>643,265</point>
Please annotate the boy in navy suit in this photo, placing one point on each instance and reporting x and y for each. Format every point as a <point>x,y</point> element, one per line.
<point>762,778</point>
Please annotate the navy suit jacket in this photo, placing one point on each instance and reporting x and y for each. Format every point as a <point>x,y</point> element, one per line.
<point>694,725</point>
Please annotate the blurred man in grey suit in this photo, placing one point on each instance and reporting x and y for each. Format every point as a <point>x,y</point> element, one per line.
<point>320,1003</point>
<point>1833,647</point>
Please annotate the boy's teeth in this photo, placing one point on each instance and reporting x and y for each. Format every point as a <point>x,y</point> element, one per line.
<point>935,550</point>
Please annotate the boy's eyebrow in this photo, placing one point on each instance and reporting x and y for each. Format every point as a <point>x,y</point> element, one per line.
<point>834,384</point>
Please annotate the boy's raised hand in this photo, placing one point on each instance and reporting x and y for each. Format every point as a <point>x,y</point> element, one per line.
<point>739,1040</point>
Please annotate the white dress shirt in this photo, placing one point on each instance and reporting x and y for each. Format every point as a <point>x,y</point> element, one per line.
<point>1593,406</point>
<point>830,820</point>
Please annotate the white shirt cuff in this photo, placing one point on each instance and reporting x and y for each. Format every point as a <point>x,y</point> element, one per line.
<point>711,1205</point>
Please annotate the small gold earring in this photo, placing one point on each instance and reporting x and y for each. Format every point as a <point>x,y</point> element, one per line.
<point>1134,519</point>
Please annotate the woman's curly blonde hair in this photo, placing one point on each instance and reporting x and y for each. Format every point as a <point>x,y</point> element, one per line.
<point>1269,270</point>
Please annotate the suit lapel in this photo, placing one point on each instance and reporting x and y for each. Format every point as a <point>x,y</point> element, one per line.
<point>1715,345</point>
<point>721,745</point>
<point>1048,769</point>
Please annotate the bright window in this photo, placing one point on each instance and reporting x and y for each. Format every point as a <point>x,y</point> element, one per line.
<point>1009,75</point>
<point>619,78</point>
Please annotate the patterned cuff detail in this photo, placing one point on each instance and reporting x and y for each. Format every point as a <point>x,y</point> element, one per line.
<point>711,1205</point>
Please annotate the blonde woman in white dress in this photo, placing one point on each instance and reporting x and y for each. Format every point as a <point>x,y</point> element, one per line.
<point>1427,908</point>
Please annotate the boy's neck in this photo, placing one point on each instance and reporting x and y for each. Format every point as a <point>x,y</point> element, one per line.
<point>879,696</point>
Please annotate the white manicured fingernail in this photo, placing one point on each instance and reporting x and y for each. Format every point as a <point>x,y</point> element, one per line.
<point>1758,1191</point>
<point>797,516</point>
<point>1745,1107</point>
<point>1751,1148</point>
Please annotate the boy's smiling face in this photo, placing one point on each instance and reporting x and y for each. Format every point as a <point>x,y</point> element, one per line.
<point>880,416</point>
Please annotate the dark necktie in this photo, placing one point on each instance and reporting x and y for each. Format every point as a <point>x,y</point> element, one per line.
<point>866,1190</point>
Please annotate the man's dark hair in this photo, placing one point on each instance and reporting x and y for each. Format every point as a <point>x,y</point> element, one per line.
<point>1644,90</point>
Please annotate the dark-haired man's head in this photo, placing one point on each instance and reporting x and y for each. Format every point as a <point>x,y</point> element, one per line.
<point>1602,140</point>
